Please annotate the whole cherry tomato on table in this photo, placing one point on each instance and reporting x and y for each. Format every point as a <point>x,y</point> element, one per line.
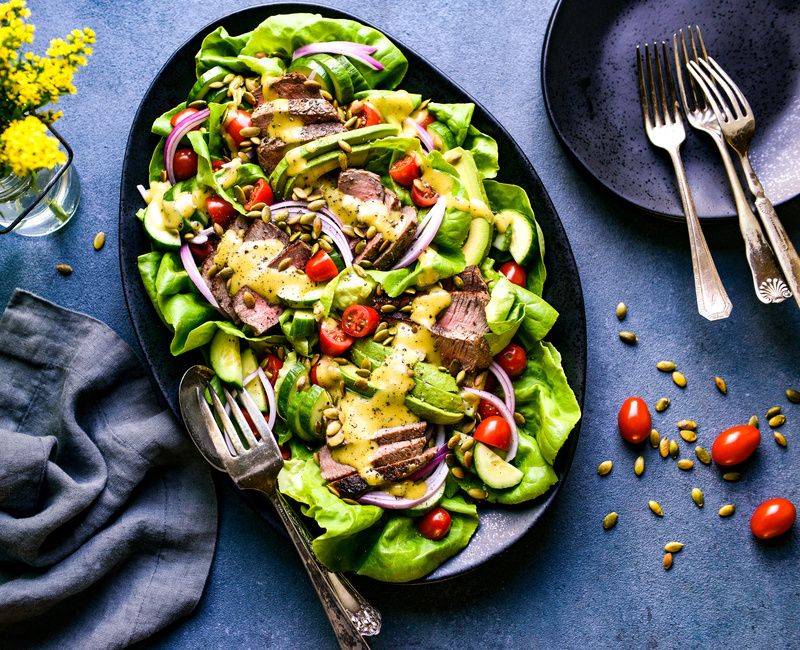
<point>514,272</point>
<point>494,431</point>
<point>772,518</point>
<point>219,210</point>
<point>404,171</point>
<point>360,320</point>
<point>436,524</point>
<point>512,359</point>
<point>333,340</point>
<point>634,420</point>
<point>184,163</point>
<point>321,267</point>
<point>237,120</point>
<point>735,445</point>
<point>423,195</point>
<point>262,193</point>
<point>368,116</point>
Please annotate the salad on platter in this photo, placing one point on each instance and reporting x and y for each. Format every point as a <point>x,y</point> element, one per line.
<point>337,247</point>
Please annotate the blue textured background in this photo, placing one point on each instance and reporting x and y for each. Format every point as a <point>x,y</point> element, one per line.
<point>568,583</point>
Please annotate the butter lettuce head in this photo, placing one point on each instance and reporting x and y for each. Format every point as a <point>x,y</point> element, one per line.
<point>456,117</point>
<point>430,267</point>
<point>484,152</point>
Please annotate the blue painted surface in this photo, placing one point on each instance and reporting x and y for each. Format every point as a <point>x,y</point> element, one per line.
<point>569,583</point>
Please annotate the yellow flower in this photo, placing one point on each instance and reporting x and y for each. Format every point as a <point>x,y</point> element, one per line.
<point>26,146</point>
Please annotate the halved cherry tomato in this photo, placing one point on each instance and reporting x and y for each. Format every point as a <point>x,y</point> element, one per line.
<point>486,409</point>
<point>262,193</point>
<point>219,210</point>
<point>436,524</point>
<point>286,453</point>
<point>273,365</point>
<point>491,382</point>
<point>321,267</point>
<point>634,420</point>
<point>514,272</point>
<point>251,424</point>
<point>360,320</point>
<point>427,120</point>
<point>512,359</point>
<point>201,251</point>
<point>425,197</point>
<point>332,338</point>
<point>772,518</point>
<point>237,120</point>
<point>216,164</point>
<point>184,163</point>
<point>735,445</point>
<point>404,171</point>
<point>312,374</point>
<point>180,115</point>
<point>368,116</point>
<point>494,431</point>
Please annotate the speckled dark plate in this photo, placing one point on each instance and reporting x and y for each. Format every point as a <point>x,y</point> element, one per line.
<point>500,527</point>
<point>589,83</point>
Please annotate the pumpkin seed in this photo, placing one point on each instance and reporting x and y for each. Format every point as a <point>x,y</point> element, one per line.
<point>457,472</point>
<point>605,467</point>
<point>300,193</point>
<point>218,231</point>
<point>655,438</point>
<point>371,232</point>
<point>450,460</point>
<point>685,464</point>
<point>360,246</point>
<point>673,547</point>
<point>250,131</point>
<point>226,273</point>
<point>727,510</point>
<point>345,146</point>
<point>775,410</point>
<point>793,395</point>
<point>284,264</point>
<point>199,104</point>
<point>452,156</point>
<point>460,379</point>
<point>361,383</point>
<point>381,336</point>
<point>679,379</point>
<point>779,438</point>
<point>349,124</point>
<point>343,162</point>
<point>325,245</point>
<point>777,421</point>
<point>655,507</point>
<point>468,444</point>
<point>622,311</point>
<point>215,85</point>
<point>318,204</point>
<point>519,419</point>
<point>388,308</point>
<point>731,476</point>
<point>610,520</point>
<point>638,466</point>
<point>249,299</point>
<point>366,264</point>
<point>673,448</point>
<point>667,561</point>
<point>333,489</point>
<point>722,387</point>
<point>99,240</point>
<point>64,269</point>
<point>662,404</point>
<point>363,372</point>
<point>702,455</point>
<point>468,427</point>
<point>253,214</point>
<point>468,459</point>
<point>458,282</point>
<point>477,493</point>
<point>337,438</point>
<point>663,447</point>
<point>249,97</point>
<point>326,95</point>
<point>688,435</point>
<point>666,366</point>
<point>281,215</point>
<point>628,337</point>
<point>331,413</point>
<point>302,382</point>
<point>691,425</point>
<point>334,426</point>
<point>697,497</point>
<point>307,219</point>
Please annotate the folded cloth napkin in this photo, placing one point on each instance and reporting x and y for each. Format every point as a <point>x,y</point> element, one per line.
<point>108,515</point>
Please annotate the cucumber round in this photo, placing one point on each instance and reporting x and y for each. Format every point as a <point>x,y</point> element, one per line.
<point>306,65</point>
<point>359,83</point>
<point>493,470</point>
<point>159,232</point>
<point>339,75</point>
<point>310,405</point>
<point>226,359</point>
<point>523,246</point>
<point>304,325</point>
<point>427,505</point>
<point>447,137</point>
<point>201,87</point>
<point>291,297</point>
<point>286,386</point>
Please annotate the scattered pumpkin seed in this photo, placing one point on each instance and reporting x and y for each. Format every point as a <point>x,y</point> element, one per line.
<point>605,467</point>
<point>691,425</point>
<point>388,308</point>
<point>779,438</point>
<point>326,95</point>
<point>361,383</point>
<point>99,240</point>
<point>731,476</point>
<point>793,395</point>
<point>655,507</point>
<point>638,466</point>
<point>610,520</point>
<point>64,269</point>
<point>363,372</point>
<point>679,379</point>
<point>628,337</point>
<point>688,435</point>
<point>345,146</point>
<point>450,460</point>
<point>331,413</point>
<point>468,459</point>
<point>284,264</point>
<point>453,441</point>
<point>753,421</point>
<point>457,472</point>
<point>477,493</point>
<point>673,547</point>
<point>622,311</point>
<point>458,281</point>
<point>777,421</point>
<point>371,232</point>
<point>667,561</point>
<point>702,455</point>
<point>673,448</point>
<point>333,489</point>
<point>468,444</point>
<point>655,438</point>
<point>519,419</point>
<point>199,104</point>
<point>249,299</point>
<point>722,387</point>
<point>663,447</point>
<point>381,336</point>
<point>727,510</point>
<point>685,464</point>
<point>775,410</point>
<point>697,497</point>
<point>218,231</point>
<point>336,439</point>
<point>226,273</point>
<point>666,366</point>
<point>662,404</point>
<point>319,203</point>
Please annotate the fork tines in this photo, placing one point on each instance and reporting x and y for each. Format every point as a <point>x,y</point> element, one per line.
<point>657,110</point>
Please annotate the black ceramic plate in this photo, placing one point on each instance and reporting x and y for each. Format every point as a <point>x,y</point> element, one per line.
<point>589,83</point>
<point>500,527</point>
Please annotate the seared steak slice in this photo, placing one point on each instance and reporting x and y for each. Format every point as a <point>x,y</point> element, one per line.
<point>258,95</point>
<point>302,111</point>
<point>352,485</point>
<point>460,330</point>
<point>291,86</point>
<point>298,251</point>
<point>472,279</point>
<point>390,435</point>
<point>271,150</point>
<point>261,316</point>
<point>219,288</point>
<point>259,231</point>
<point>400,245</point>
<point>398,451</point>
<point>362,184</point>
<point>331,469</point>
<point>371,251</point>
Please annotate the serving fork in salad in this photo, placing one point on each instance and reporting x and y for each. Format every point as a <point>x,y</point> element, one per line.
<point>227,441</point>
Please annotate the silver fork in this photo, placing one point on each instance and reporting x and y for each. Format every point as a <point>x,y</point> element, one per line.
<point>254,464</point>
<point>664,128</point>
<point>701,116</point>
<point>738,126</point>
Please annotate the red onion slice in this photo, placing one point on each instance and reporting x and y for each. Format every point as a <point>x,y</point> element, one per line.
<point>194,275</point>
<point>202,236</point>
<point>270,391</point>
<point>423,134</point>
<point>173,139</point>
<point>359,51</point>
<point>426,235</point>
<point>507,416</point>
<point>505,383</point>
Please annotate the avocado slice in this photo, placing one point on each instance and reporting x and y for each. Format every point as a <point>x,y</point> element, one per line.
<point>478,241</point>
<point>423,372</point>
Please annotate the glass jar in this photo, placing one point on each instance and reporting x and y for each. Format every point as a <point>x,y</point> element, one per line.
<point>52,212</point>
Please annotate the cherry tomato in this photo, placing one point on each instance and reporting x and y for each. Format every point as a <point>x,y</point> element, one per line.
<point>272,364</point>
<point>514,272</point>
<point>201,251</point>
<point>332,339</point>
<point>772,518</point>
<point>312,374</point>
<point>360,320</point>
<point>184,163</point>
<point>404,171</point>
<point>262,193</point>
<point>217,164</point>
<point>735,445</point>
<point>321,267</point>
<point>425,197</point>
<point>512,359</point>
<point>219,210</point>
<point>427,120</point>
<point>436,524</point>
<point>491,382</point>
<point>486,409</point>
<point>251,424</point>
<point>634,420</point>
<point>494,431</point>
<point>286,453</point>
<point>237,120</point>
<point>368,116</point>
<point>180,115</point>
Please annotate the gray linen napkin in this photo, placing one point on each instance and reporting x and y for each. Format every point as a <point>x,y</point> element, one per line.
<point>108,515</point>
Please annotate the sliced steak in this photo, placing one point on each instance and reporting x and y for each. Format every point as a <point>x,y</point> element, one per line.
<point>398,451</point>
<point>271,150</point>
<point>362,184</point>
<point>259,231</point>
<point>258,95</point>
<point>218,288</point>
<point>471,278</point>
<point>292,86</point>
<point>331,469</point>
<point>298,251</point>
<point>353,486</point>
<point>261,316</point>
<point>459,331</point>
<point>301,111</point>
<point>408,229</point>
<point>240,224</point>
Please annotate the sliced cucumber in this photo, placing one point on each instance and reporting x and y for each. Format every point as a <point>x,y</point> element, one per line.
<point>254,387</point>
<point>523,245</point>
<point>304,325</point>
<point>443,134</point>
<point>292,296</point>
<point>156,227</point>
<point>359,83</point>
<point>307,66</point>
<point>427,505</point>
<point>502,240</point>
<point>286,386</point>
<point>201,87</point>
<point>311,404</point>
<point>340,77</point>
<point>493,470</point>
<point>226,360</point>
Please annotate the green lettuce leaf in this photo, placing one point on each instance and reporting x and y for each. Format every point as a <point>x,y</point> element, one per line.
<point>484,152</point>
<point>148,269</point>
<point>157,161</point>
<point>205,173</point>
<point>457,118</point>
<point>515,310</point>
<point>455,224</point>
<point>222,49</point>
<point>430,267</point>
<point>162,125</point>
<point>246,174</point>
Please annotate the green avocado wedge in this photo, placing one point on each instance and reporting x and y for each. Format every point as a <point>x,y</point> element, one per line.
<point>424,372</point>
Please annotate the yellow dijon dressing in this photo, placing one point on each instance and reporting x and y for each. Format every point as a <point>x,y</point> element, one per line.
<point>418,339</point>
<point>429,275</point>
<point>407,489</point>
<point>283,124</point>
<point>249,262</point>
<point>443,184</point>
<point>427,306</point>
<point>394,108</point>
<point>355,212</point>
